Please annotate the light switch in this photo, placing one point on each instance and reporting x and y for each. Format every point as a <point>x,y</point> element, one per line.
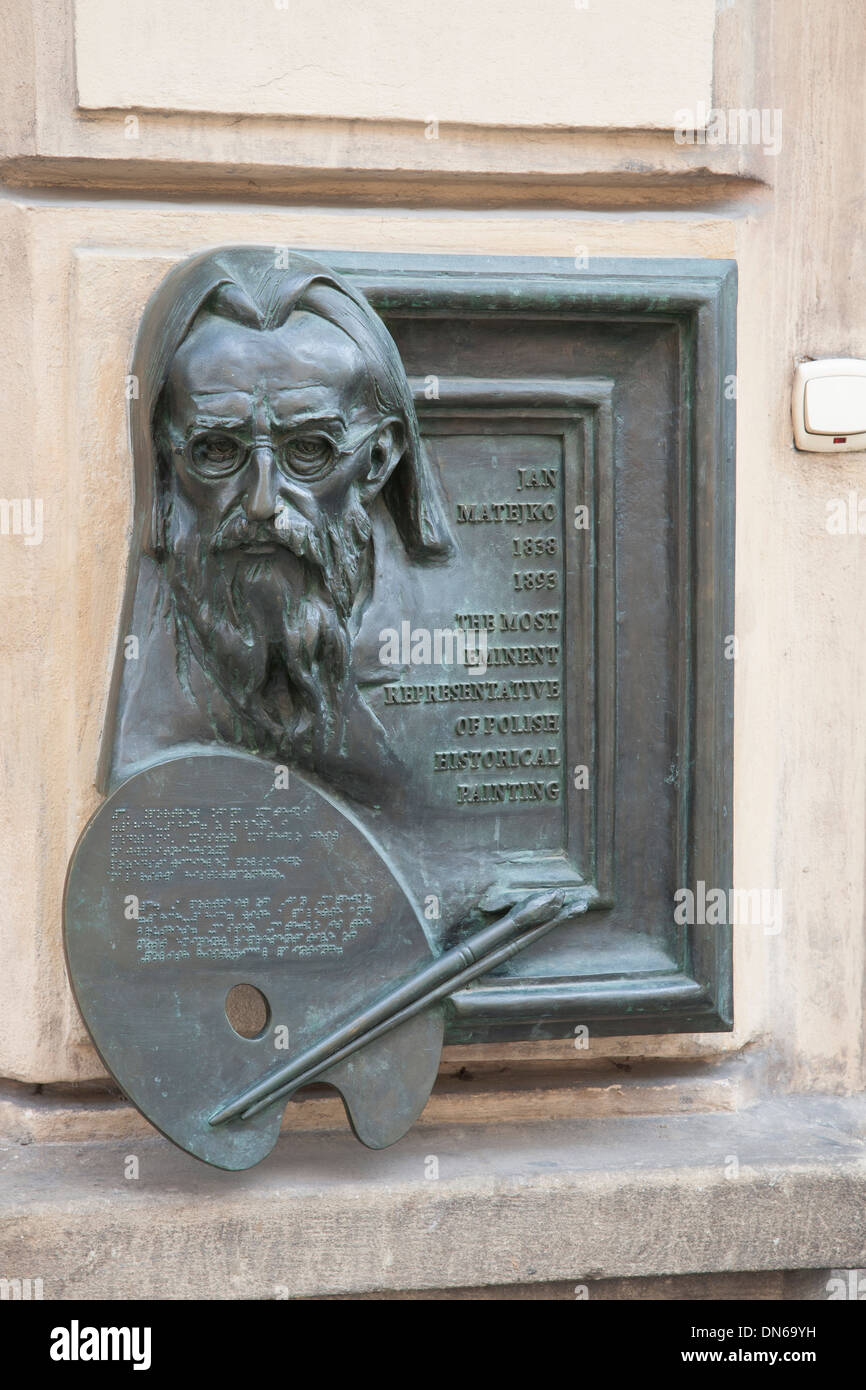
<point>829,405</point>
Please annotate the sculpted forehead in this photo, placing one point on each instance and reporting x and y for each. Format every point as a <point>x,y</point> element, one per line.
<point>307,354</point>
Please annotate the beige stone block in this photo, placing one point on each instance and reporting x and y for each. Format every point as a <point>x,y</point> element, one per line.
<point>76,278</point>
<point>607,83</point>
<point>548,64</point>
<point>79,277</point>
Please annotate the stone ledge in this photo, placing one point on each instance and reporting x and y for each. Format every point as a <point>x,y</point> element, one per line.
<point>477,1093</point>
<point>786,1286</point>
<point>700,188</point>
<point>619,1197</point>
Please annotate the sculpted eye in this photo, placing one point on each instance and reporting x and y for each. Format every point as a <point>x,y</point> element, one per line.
<point>216,454</point>
<point>309,454</point>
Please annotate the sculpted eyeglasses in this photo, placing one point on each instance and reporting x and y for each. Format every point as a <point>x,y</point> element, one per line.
<point>305,456</point>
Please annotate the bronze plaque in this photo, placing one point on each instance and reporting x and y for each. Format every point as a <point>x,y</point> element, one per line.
<point>451,540</point>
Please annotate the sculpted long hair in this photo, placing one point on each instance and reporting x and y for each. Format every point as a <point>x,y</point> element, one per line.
<point>251,285</point>
<point>260,286</point>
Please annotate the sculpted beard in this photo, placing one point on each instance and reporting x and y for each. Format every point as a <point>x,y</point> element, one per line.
<point>273,631</point>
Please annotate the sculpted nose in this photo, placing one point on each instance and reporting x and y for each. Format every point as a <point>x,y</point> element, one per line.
<point>262,495</point>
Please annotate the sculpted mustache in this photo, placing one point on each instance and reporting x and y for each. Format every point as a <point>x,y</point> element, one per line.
<point>294,533</point>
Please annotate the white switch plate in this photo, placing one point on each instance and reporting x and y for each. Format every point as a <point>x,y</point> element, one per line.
<point>828,405</point>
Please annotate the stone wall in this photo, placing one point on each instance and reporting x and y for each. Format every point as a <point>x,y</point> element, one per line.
<point>394,127</point>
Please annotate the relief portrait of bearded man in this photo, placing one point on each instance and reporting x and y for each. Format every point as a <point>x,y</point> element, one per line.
<point>272,412</point>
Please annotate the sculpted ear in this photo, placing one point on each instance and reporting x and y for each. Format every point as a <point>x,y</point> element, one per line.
<point>388,447</point>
